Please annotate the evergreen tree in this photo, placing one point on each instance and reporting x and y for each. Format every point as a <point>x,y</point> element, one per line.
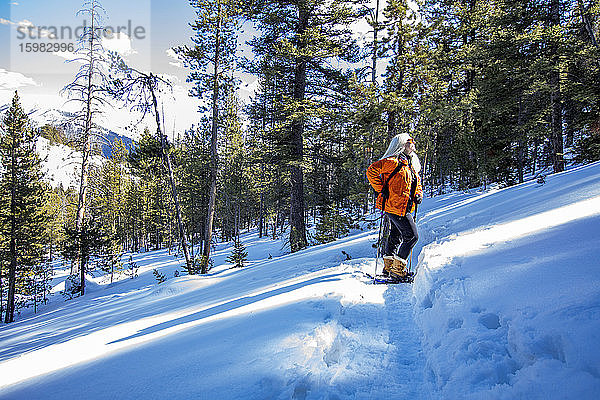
<point>83,245</point>
<point>266,143</point>
<point>58,211</point>
<point>582,86</point>
<point>147,168</point>
<point>235,187</point>
<point>141,90</point>
<point>333,224</point>
<point>211,57</point>
<point>110,200</point>
<point>239,255</point>
<point>22,204</point>
<point>298,38</point>
<point>193,159</point>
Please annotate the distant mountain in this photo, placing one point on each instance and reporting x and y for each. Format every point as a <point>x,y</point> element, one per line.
<point>61,163</point>
<point>111,137</point>
<point>64,120</point>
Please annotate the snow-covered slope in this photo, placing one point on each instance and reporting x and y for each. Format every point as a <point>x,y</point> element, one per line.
<point>60,163</point>
<point>291,326</point>
<point>505,305</point>
<point>508,297</point>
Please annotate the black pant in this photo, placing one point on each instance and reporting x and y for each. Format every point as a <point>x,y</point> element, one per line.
<point>402,230</point>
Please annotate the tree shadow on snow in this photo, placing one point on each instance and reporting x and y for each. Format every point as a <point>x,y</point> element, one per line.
<point>229,306</point>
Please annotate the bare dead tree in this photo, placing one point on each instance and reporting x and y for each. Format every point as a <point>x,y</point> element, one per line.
<point>88,91</point>
<point>140,91</point>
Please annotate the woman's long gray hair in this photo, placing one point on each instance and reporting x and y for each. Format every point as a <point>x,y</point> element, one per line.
<point>397,145</point>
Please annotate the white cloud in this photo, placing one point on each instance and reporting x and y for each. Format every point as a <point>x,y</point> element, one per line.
<point>67,55</point>
<point>30,29</point>
<point>25,23</point>
<point>171,53</point>
<point>118,42</point>
<point>12,80</point>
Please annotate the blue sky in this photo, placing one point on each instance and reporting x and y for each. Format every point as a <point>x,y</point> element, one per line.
<point>165,24</point>
<point>39,76</point>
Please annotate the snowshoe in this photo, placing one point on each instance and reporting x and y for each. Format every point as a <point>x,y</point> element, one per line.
<point>391,279</point>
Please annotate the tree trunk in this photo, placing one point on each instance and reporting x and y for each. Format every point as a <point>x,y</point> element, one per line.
<point>556,136</point>
<point>587,23</point>
<point>375,47</point>
<point>261,215</point>
<point>569,123</point>
<point>393,112</point>
<point>212,197</point>
<point>12,269</point>
<point>297,227</point>
<point>521,143</point>
<point>85,159</point>
<point>1,291</point>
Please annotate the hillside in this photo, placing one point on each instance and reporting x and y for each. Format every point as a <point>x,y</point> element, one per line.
<point>505,305</point>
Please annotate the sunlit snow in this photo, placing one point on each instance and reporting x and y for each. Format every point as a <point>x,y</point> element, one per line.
<point>505,305</point>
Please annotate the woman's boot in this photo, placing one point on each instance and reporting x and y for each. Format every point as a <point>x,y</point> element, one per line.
<point>399,267</point>
<point>388,262</point>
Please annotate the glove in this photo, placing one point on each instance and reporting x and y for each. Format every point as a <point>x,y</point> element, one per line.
<point>418,198</point>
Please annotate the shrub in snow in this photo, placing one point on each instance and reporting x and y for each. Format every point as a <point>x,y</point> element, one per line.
<point>160,278</point>
<point>196,263</point>
<point>132,268</point>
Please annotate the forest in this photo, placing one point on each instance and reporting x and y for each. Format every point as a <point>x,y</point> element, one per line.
<point>492,91</point>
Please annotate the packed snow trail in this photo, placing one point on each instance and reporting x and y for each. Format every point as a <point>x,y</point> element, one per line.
<point>304,325</point>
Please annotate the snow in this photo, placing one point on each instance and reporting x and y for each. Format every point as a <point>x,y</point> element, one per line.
<point>505,305</point>
<point>61,164</point>
<point>509,300</point>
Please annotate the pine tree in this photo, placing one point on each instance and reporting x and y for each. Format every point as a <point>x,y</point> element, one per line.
<point>192,159</point>
<point>160,278</point>
<point>211,56</point>
<point>147,169</point>
<point>266,144</point>
<point>83,245</point>
<point>332,225</point>
<point>141,91</point>
<point>239,255</point>
<point>235,187</point>
<point>57,209</point>
<point>110,200</point>
<point>309,85</point>
<point>22,203</point>
<point>582,88</point>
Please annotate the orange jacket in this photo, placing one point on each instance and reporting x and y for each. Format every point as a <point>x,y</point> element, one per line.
<point>399,186</point>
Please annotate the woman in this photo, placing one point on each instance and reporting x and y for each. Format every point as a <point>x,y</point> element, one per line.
<point>395,177</point>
